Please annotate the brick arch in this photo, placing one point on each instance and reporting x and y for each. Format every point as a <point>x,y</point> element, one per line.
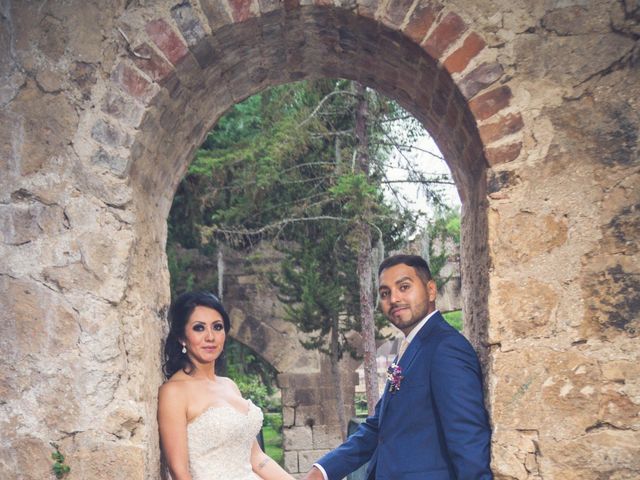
<point>186,66</point>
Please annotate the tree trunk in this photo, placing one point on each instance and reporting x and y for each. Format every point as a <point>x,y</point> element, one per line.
<point>365,259</point>
<point>337,381</point>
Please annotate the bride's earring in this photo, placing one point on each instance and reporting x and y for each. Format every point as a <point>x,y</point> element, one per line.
<point>184,348</point>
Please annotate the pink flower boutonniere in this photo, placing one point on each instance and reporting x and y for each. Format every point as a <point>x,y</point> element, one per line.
<point>394,375</point>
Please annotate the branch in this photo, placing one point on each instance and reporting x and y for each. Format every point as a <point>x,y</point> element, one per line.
<point>409,147</point>
<point>322,102</point>
<point>209,231</point>
<point>421,181</point>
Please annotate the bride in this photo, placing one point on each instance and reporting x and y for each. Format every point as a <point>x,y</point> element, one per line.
<point>207,430</point>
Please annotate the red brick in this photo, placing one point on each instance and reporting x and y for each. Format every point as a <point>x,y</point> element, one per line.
<point>503,154</point>
<point>396,11</point>
<point>488,104</point>
<point>450,28</point>
<point>167,40</point>
<point>458,60</point>
<point>506,125</point>
<point>241,10</point>
<point>420,22</point>
<point>480,78</point>
<point>131,81</point>
<point>151,63</point>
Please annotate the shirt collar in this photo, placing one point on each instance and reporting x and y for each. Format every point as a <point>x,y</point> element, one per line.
<point>417,328</point>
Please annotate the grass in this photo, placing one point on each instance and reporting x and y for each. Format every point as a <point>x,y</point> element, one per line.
<point>272,440</point>
<point>454,319</point>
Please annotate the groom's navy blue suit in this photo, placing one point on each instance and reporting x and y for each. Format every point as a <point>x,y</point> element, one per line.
<point>435,427</point>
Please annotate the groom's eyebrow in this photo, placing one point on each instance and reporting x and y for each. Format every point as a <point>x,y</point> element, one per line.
<point>404,279</point>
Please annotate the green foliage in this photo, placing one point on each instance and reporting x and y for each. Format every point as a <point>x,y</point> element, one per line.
<point>274,420</point>
<point>272,435</point>
<point>361,405</point>
<point>454,319</point>
<point>281,165</point>
<point>444,229</point>
<point>59,468</point>
<point>255,377</point>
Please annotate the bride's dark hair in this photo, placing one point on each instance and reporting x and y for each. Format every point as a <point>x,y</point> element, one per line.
<point>179,313</point>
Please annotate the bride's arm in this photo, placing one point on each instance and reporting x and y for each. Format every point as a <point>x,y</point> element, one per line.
<point>265,467</point>
<point>172,424</point>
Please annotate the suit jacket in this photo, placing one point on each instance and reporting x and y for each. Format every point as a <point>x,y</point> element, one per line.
<point>435,427</point>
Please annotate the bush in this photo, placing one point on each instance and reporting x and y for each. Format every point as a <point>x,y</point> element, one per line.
<point>273,420</point>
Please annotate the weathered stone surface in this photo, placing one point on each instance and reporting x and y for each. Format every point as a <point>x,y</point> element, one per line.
<point>297,437</point>
<point>523,310</point>
<point>549,242</point>
<point>525,235</point>
<point>48,121</point>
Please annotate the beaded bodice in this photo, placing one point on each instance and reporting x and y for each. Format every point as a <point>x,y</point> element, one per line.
<point>220,441</point>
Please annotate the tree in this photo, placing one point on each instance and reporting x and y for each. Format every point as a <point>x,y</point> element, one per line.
<point>305,164</point>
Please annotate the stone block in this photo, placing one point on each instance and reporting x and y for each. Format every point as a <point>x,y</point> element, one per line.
<point>456,62</point>
<point>49,123</point>
<point>488,104</point>
<point>23,223</point>
<point>216,13</point>
<point>83,74</point>
<point>421,20</point>
<point>290,461</point>
<point>524,235</point>
<point>50,81</point>
<point>241,10</point>
<point>30,307</point>
<point>131,81</point>
<point>151,63</point>
<point>100,461</point>
<point>326,437</point>
<point>504,126</point>
<point>288,416</point>
<point>395,12</point>
<point>109,135</point>
<point>503,153</point>
<point>125,109</point>
<point>480,78</point>
<point>114,163</point>
<point>297,438</point>
<point>167,40</point>
<point>446,32</point>
<point>267,6</point>
<point>188,23</point>
<point>525,309</point>
<point>307,458</point>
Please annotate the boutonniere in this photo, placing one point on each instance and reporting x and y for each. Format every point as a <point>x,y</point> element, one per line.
<point>394,375</point>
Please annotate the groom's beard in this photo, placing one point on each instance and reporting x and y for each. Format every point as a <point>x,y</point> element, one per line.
<point>418,312</point>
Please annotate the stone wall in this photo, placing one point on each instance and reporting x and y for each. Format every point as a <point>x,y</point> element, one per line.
<point>533,104</point>
<point>311,426</point>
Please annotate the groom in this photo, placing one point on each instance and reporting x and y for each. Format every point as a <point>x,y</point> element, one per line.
<point>434,425</point>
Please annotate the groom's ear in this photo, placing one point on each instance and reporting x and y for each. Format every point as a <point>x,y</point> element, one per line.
<point>432,290</point>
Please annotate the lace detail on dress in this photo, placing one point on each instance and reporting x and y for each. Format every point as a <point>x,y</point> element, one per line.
<point>220,441</point>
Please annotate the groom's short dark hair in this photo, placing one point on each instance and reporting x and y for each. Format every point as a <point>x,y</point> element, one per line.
<point>415,261</point>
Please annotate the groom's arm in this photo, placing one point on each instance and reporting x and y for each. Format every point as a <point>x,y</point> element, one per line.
<point>458,396</point>
<point>352,454</point>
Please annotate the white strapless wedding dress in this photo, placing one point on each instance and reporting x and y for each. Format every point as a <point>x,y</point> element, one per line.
<point>220,441</point>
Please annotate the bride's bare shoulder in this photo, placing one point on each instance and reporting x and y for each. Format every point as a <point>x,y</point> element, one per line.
<point>174,386</point>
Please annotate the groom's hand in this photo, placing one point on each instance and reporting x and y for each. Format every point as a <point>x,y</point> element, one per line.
<point>313,474</point>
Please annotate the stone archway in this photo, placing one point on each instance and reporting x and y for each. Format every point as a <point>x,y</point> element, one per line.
<point>311,425</point>
<point>534,107</point>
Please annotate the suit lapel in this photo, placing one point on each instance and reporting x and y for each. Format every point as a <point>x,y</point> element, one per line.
<point>409,356</point>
